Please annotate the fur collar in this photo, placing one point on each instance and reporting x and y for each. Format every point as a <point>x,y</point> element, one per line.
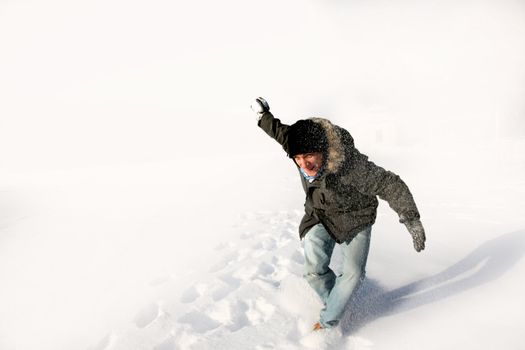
<point>336,149</point>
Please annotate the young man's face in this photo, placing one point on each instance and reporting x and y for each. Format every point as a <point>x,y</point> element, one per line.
<point>311,163</point>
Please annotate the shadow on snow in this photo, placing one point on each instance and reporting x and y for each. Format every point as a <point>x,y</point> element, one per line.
<point>486,263</point>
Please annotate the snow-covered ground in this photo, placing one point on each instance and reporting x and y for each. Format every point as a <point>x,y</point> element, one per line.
<point>136,257</point>
<point>141,207</point>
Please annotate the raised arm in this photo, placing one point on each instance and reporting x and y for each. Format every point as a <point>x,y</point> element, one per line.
<point>271,125</point>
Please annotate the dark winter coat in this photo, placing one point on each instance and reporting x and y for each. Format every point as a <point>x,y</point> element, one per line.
<point>344,198</point>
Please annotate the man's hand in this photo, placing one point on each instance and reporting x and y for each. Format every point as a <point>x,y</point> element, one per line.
<point>418,234</point>
<point>259,106</point>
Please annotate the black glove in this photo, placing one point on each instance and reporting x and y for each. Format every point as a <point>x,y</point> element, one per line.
<point>260,106</point>
<point>415,227</point>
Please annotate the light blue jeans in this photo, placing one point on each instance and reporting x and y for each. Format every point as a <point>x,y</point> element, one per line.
<point>335,291</point>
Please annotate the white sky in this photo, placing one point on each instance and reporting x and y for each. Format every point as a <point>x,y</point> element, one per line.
<point>90,82</point>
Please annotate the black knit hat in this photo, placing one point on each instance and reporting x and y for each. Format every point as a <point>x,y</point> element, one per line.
<point>306,136</point>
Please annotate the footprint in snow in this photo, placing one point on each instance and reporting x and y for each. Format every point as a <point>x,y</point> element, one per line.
<point>263,246</point>
<point>298,256</point>
<point>237,314</point>
<point>230,314</point>
<point>193,293</point>
<point>265,269</point>
<point>199,322</point>
<point>223,287</point>
<point>147,315</point>
<point>259,311</point>
<point>248,273</point>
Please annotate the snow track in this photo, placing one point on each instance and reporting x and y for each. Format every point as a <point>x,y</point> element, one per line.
<point>252,298</point>
<point>251,295</point>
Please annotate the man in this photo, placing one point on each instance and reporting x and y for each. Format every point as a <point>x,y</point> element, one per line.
<point>341,187</point>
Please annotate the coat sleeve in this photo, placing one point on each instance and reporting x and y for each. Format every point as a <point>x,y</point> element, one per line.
<point>275,129</point>
<point>370,179</point>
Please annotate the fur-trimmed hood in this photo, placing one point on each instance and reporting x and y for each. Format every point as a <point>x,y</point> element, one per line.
<point>339,142</point>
